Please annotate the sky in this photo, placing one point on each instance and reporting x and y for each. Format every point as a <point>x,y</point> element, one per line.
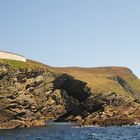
<point>85,33</point>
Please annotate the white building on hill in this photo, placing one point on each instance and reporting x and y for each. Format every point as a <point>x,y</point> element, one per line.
<point>11,56</point>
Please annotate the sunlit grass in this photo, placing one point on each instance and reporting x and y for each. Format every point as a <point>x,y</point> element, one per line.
<point>19,64</point>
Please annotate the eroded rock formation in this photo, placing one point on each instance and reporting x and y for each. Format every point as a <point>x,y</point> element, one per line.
<point>33,96</point>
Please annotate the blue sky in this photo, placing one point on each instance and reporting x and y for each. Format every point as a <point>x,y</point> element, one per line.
<point>88,33</point>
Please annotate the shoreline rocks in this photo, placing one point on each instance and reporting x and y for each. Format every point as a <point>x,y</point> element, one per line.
<point>32,97</point>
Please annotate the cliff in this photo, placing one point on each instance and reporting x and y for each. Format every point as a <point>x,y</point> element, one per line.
<point>31,94</point>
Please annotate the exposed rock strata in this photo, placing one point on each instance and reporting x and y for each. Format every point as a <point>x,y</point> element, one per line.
<point>31,97</point>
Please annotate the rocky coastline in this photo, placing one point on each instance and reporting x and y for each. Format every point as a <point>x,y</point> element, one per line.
<point>33,96</point>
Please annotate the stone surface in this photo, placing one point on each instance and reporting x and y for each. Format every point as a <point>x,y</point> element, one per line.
<point>31,97</point>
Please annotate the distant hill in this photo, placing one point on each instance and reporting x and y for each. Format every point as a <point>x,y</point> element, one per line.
<point>107,79</point>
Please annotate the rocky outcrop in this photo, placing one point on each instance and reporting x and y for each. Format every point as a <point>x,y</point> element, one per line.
<point>34,96</point>
<point>104,111</point>
<point>31,97</point>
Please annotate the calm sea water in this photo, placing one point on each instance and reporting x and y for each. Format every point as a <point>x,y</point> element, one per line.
<point>70,132</point>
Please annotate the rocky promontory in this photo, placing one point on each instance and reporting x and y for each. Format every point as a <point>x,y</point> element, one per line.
<point>31,94</point>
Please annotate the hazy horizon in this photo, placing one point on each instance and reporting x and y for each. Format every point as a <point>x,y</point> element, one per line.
<point>84,33</point>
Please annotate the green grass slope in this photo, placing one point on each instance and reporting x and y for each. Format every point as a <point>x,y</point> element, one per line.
<point>120,80</point>
<point>19,64</point>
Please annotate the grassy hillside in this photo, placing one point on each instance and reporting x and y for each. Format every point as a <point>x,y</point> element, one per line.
<point>107,79</point>
<point>19,64</point>
<point>120,80</point>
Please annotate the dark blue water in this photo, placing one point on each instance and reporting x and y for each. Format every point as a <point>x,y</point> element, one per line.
<point>68,132</point>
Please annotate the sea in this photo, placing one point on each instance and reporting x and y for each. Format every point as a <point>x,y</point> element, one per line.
<point>66,131</point>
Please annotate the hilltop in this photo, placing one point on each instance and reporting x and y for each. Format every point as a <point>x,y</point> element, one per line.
<point>107,79</point>
<point>32,94</point>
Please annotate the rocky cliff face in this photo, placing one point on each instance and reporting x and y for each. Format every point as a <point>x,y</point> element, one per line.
<point>33,96</point>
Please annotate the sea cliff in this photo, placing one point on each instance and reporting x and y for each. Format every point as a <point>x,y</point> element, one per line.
<point>31,94</point>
